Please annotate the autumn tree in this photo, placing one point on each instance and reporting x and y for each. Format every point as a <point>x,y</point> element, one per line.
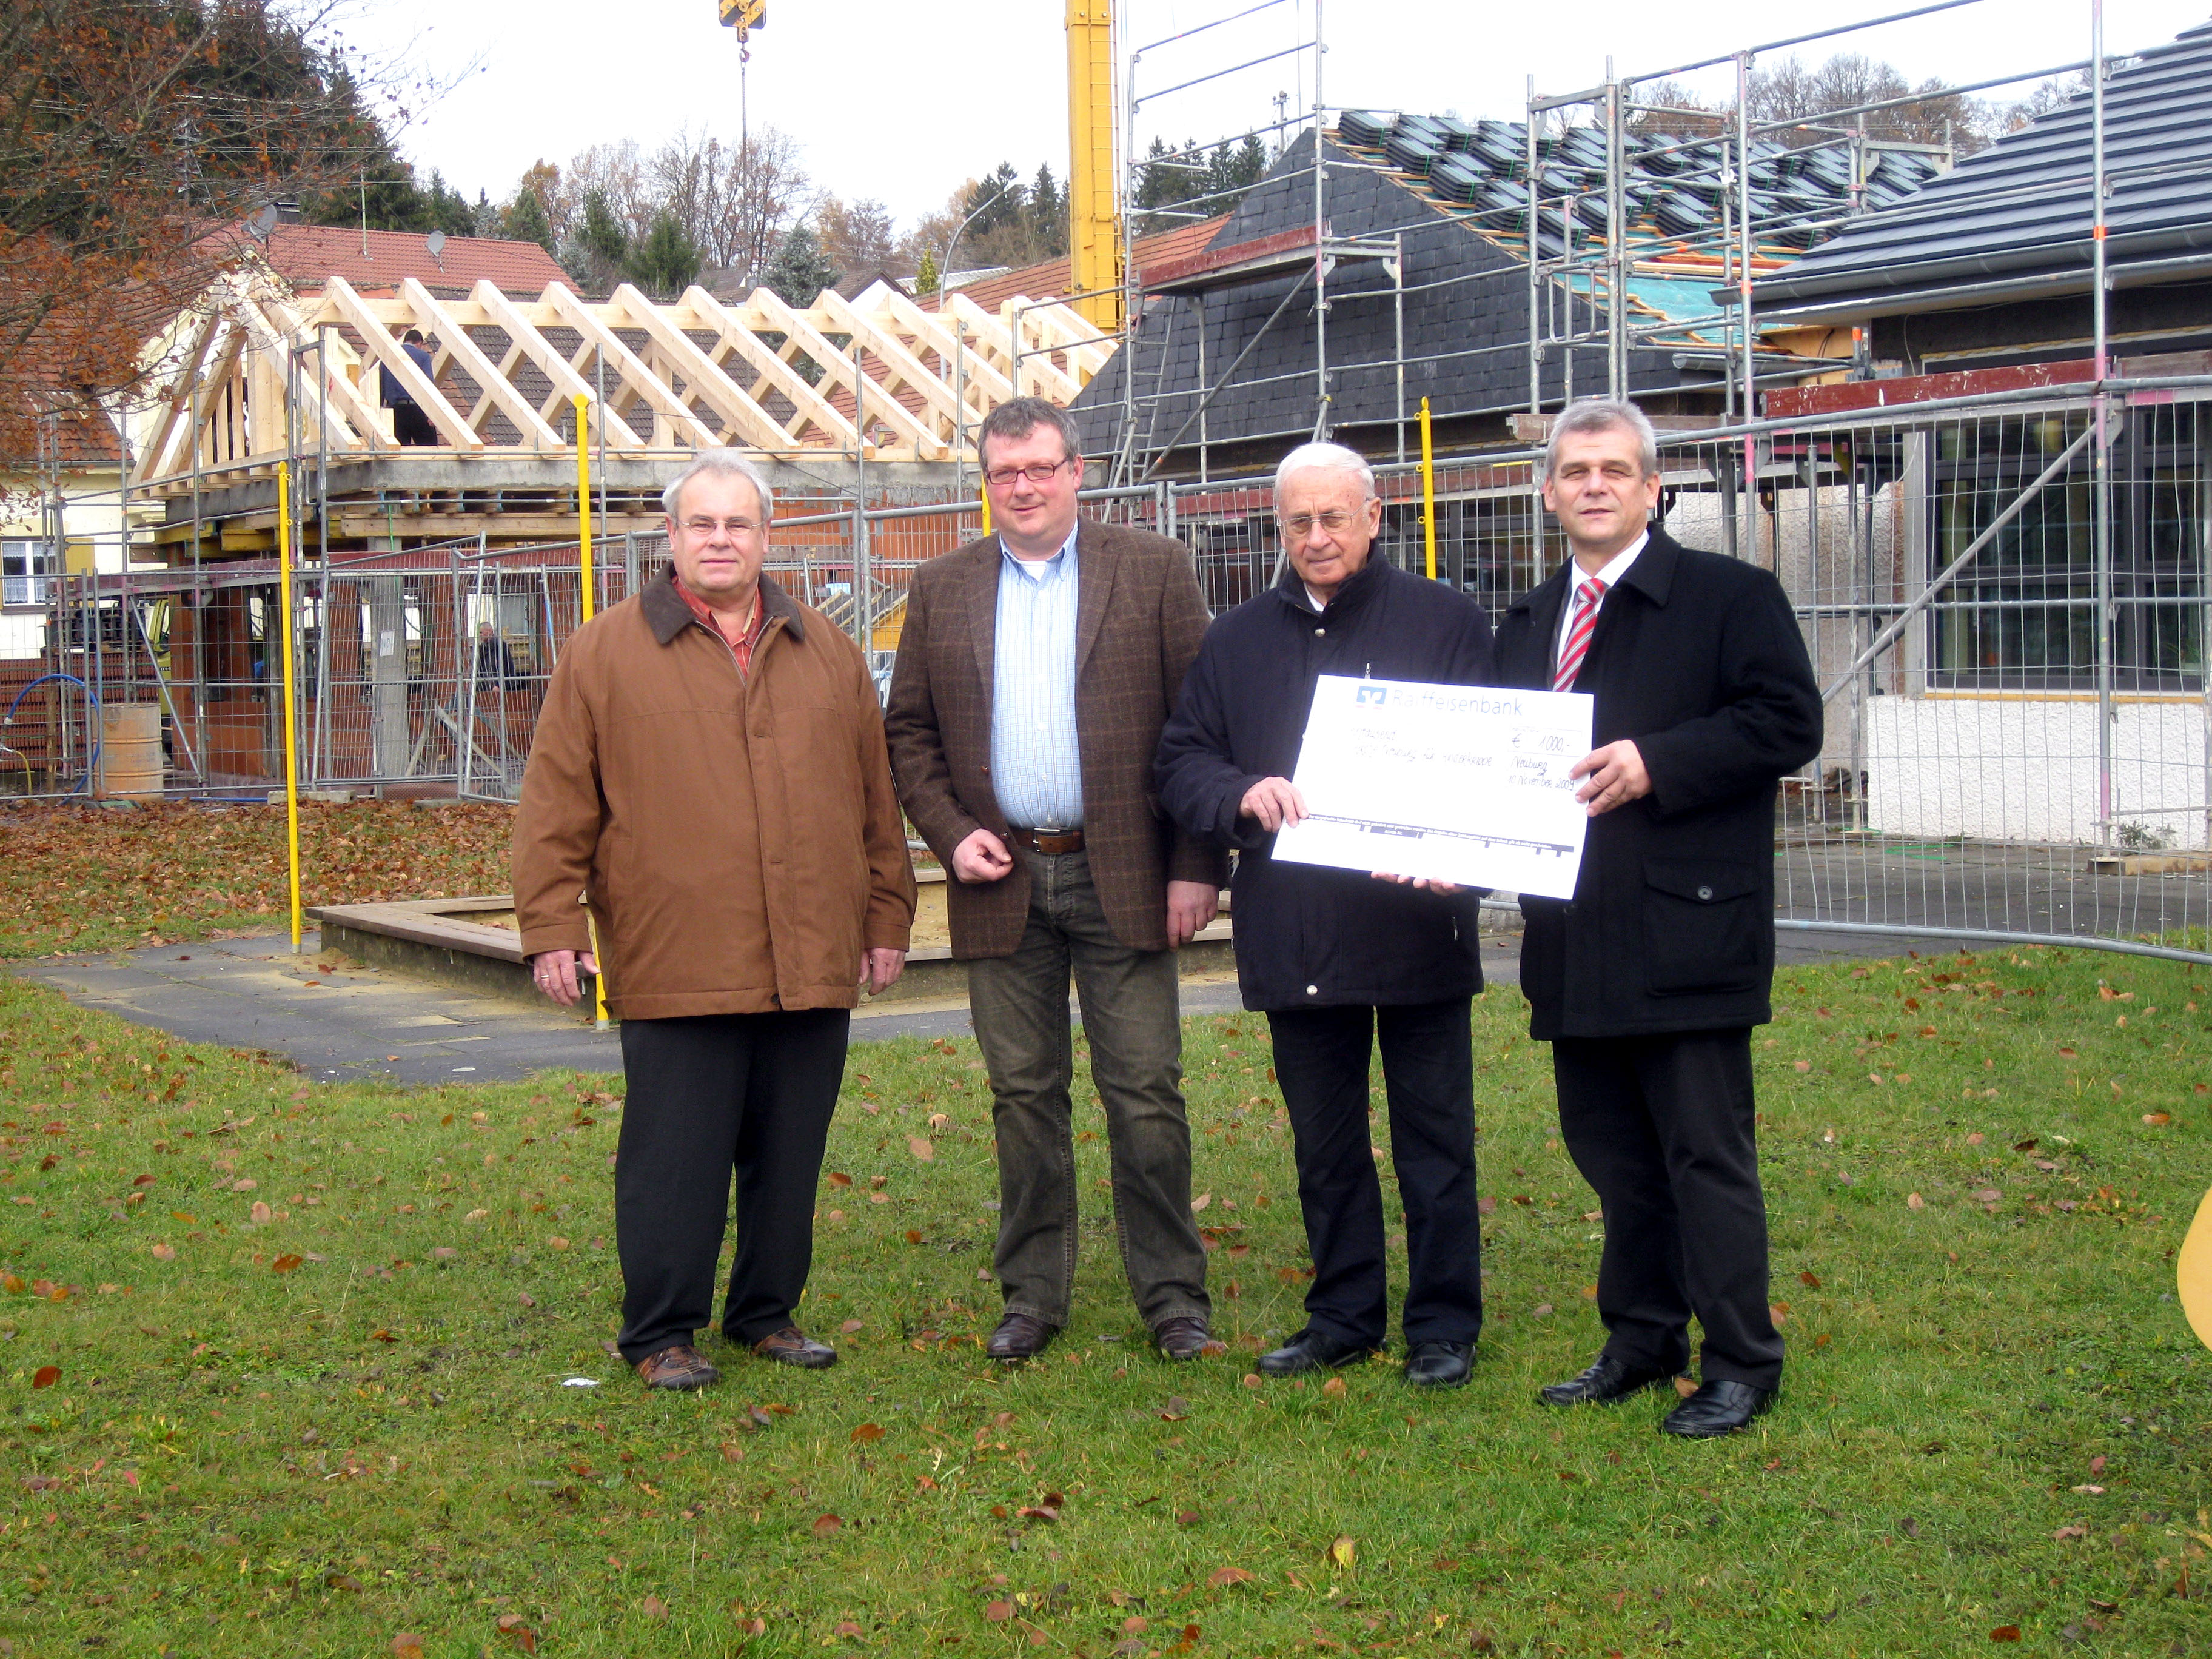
<point>131,132</point>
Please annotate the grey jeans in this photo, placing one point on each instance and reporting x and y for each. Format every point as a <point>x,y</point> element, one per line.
<point>1132,1021</point>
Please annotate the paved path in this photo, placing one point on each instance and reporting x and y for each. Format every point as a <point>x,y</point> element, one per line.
<point>364,1023</point>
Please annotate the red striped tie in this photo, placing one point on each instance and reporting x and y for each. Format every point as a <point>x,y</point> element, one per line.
<point>1587,599</point>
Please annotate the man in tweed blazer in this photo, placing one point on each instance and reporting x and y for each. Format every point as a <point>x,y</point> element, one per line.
<point>1036,669</point>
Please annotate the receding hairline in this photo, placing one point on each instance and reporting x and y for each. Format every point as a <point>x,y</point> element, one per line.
<point>1339,469</point>
<point>693,473</point>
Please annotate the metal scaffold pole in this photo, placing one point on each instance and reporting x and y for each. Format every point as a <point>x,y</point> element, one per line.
<point>2101,408</point>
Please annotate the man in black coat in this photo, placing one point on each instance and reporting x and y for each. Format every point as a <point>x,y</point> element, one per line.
<point>1336,958</point>
<point>1648,981</point>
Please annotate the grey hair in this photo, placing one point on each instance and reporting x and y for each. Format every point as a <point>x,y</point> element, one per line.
<point>1327,457</point>
<point>1603,414</point>
<point>721,464</point>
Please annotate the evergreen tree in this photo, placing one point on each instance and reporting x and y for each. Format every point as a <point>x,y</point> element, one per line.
<point>801,270</point>
<point>666,261</point>
<point>926,278</point>
<point>525,221</point>
<point>1048,214</point>
<point>603,236</point>
<point>995,201</point>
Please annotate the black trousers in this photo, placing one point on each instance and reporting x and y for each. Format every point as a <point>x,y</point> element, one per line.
<point>412,426</point>
<point>708,1095</point>
<point>1662,1127</point>
<point>1322,1058</point>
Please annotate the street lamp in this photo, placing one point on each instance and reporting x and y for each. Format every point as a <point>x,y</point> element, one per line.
<point>960,347</point>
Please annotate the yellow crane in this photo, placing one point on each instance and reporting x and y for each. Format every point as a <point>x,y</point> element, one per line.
<point>1094,227</point>
<point>743,16</point>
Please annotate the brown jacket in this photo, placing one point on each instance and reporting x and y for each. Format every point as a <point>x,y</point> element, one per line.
<point>737,837</point>
<point>1139,620</point>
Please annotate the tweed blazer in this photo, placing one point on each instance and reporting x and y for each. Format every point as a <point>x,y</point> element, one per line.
<point>1139,621</point>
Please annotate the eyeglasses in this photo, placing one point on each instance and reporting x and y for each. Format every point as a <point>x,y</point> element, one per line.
<point>702,528</point>
<point>1299,525</point>
<point>1003,477</point>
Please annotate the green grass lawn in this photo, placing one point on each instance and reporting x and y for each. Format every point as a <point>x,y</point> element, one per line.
<point>283,1367</point>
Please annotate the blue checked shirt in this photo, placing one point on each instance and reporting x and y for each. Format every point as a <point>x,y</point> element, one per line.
<point>1034,764</point>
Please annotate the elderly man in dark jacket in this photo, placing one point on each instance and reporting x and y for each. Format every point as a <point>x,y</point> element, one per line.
<point>1649,980</point>
<point>1336,958</point>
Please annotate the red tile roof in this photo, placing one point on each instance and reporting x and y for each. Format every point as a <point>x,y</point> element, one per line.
<point>1053,278</point>
<point>306,254</point>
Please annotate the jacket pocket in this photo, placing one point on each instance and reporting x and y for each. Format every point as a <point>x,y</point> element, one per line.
<point>1702,925</point>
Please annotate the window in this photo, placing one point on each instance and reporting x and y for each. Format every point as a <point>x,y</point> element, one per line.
<point>2025,613</point>
<point>26,569</point>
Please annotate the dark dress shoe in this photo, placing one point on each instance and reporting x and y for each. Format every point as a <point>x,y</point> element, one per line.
<point>1311,1350</point>
<point>1606,1381</point>
<point>1439,1364</point>
<point>1186,1337</point>
<point>1019,1337</point>
<point>1718,1408</point>
<point>679,1367</point>
<point>792,1346</point>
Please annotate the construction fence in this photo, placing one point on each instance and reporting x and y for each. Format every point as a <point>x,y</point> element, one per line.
<point>2007,614</point>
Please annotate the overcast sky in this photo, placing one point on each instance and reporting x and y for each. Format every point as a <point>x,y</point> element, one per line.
<point>901,102</point>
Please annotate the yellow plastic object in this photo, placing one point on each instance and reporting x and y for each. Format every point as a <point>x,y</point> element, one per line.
<point>2193,1273</point>
<point>291,679</point>
<point>584,568</point>
<point>1428,491</point>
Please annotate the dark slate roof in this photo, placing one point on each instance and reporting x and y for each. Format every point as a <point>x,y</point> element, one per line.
<point>1672,188</point>
<point>2020,208</point>
<point>1466,326</point>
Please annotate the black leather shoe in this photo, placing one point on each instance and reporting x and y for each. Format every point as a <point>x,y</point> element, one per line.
<point>1311,1350</point>
<point>792,1346</point>
<point>1439,1364</point>
<point>1019,1337</point>
<point>1718,1408</point>
<point>1605,1382</point>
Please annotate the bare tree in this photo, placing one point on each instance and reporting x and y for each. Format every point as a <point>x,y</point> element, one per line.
<point>857,237</point>
<point>766,192</point>
<point>1789,91</point>
<point>616,172</point>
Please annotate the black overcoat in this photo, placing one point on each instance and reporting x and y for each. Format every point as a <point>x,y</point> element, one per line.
<point>1309,937</point>
<point>1697,659</point>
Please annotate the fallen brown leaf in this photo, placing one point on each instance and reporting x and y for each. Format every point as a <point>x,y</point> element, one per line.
<point>868,1432</point>
<point>1224,1577</point>
<point>654,1609</point>
<point>827,1526</point>
<point>46,1376</point>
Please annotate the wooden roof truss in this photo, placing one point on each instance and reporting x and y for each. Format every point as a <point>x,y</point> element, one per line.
<point>252,360</point>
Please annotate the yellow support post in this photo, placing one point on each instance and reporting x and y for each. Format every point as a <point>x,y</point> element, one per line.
<point>985,495</point>
<point>291,680</point>
<point>1094,239</point>
<point>584,497</point>
<point>1428,491</point>
<point>584,562</point>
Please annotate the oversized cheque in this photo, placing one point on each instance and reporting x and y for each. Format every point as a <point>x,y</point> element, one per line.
<point>1465,784</point>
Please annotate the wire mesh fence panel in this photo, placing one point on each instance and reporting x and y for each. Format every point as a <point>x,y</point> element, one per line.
<point>2010,648</point>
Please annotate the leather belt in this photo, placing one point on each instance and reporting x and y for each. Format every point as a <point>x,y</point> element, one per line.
<point>1051,842</point>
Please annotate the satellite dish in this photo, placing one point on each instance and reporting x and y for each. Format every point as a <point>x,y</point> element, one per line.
<point>435,241</point>
<point>263,221</point>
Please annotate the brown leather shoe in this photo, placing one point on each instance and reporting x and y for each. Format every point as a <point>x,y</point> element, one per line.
<point>1186,1337</point>
<point>792,1346</point>
<point>1019,1337</point>
<point>680,1367</point>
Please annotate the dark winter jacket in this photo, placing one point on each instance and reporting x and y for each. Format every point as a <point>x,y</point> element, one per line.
<point>1309,937</point>
<point>1697,660</point>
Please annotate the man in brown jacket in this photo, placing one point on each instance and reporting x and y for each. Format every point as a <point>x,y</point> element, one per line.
<point>1035,668</point>
<point>710,775</point>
